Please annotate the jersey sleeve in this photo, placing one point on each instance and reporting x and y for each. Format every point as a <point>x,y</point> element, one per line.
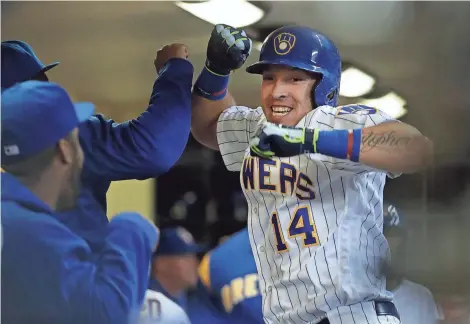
<point>235,127</point>
<point>353,117</point>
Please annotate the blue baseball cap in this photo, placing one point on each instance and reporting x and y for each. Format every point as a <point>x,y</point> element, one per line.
<point>20,63</point>
<point>177,241</point>
<point>35,116</point>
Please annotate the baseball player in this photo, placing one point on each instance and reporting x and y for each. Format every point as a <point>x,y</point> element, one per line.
<point>414,302</point>
<point>229,284</point>
<point>140,148</point>
<point>315,188</point>
<point>50,274</point>
<point>174,264</point>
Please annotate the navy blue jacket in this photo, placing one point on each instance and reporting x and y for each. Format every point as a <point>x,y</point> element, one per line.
<point>141,148</point>
<point>50,275</point>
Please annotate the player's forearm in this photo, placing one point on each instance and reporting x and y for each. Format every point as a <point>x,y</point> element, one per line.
<point>210,98</point>
<point>395,147</point>
<point>150,144</point>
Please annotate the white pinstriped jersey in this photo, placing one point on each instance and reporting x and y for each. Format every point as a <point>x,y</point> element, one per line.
<point>159,309</point>
<point>315,222</point>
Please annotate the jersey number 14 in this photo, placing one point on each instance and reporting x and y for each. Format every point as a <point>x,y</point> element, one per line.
<point>301,224</point>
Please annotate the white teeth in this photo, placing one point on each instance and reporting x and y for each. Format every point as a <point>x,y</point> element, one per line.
<point>279,109</point>
<point>280,114</point>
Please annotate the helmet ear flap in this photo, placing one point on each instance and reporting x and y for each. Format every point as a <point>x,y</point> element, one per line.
<point>332,94</point>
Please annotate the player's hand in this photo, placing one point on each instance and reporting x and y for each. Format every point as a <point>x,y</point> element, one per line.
<point>282,141</point>
<point>168,52</point>
<point>228,49</point>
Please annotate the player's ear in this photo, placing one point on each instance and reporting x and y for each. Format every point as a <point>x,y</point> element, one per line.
<point>66,147</point>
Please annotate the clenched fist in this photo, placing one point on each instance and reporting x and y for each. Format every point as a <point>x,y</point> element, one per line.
<point>227,50</point>
<point>168,52</point>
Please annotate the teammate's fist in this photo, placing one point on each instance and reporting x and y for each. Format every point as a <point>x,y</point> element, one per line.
<point>227,50</point>
<point>168,52</point>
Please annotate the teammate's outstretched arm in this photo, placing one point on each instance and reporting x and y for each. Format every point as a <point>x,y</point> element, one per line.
<point>227,51</point>
<point>391,146</point>
<point>152,143</point>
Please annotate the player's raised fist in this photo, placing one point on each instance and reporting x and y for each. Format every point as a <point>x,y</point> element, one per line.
<point>227,50</point>
<point>168,52</point>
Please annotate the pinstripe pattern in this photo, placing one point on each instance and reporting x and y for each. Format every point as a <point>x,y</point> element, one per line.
<point>305,278</point>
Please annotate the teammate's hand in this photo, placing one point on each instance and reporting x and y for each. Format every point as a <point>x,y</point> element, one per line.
<point>227,50</point>
<point>282,141</point>
<point>168,52</point>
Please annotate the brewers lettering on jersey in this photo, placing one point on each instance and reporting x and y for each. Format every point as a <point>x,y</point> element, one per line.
<point>315,211</point>
<point>315,221</point>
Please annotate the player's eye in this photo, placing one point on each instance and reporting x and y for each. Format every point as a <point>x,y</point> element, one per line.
<point>268,77</point>
<point>297,79</point>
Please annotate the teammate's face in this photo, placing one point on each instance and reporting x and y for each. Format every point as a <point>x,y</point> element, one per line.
<point>286,95</point>
<point>187,270</point>
<point>73,158</point>
<point>180,269</point>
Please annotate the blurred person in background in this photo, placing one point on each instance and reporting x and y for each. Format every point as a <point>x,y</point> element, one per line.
<point>174,265</point>
<point>453,301</point>
<point>229,290</point>
<point>140,148</point>
<point>49,273</point>
<point>414,302</point>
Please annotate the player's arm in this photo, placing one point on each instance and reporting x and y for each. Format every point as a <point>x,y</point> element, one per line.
<point>108,287</point>
<point>394,147</point>
<point>391,146</point>
<point>227,50</point>
<point>152,143</point>
<point>205,116</point>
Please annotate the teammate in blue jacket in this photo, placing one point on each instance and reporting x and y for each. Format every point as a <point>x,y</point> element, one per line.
<point>50,274</point>
<point>229,290</point>
<point>140,148</point>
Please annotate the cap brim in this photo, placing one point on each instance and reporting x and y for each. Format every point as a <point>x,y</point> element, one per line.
<point>50,66</point>
<point>261,66</point>
<point>84,110</point>
<point>200,248</point>
<point>257,68</point>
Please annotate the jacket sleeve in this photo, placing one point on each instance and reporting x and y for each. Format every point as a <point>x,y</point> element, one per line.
<point>90,288</point>
<point>152,143</point>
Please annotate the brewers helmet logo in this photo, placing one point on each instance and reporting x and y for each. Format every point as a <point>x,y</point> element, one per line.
<point>284,43</point>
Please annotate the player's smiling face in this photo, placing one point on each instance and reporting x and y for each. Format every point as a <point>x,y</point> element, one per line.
<point>286,94</point>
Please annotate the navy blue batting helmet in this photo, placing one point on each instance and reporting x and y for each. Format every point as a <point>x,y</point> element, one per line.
<point>306,49</point>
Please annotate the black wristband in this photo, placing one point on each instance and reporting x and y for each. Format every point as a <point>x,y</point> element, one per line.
<point>307,147</point>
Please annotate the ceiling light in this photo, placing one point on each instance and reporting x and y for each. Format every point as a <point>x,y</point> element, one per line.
<point>355,83</point>
<point>235,13</point>
<point>391,104</point>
